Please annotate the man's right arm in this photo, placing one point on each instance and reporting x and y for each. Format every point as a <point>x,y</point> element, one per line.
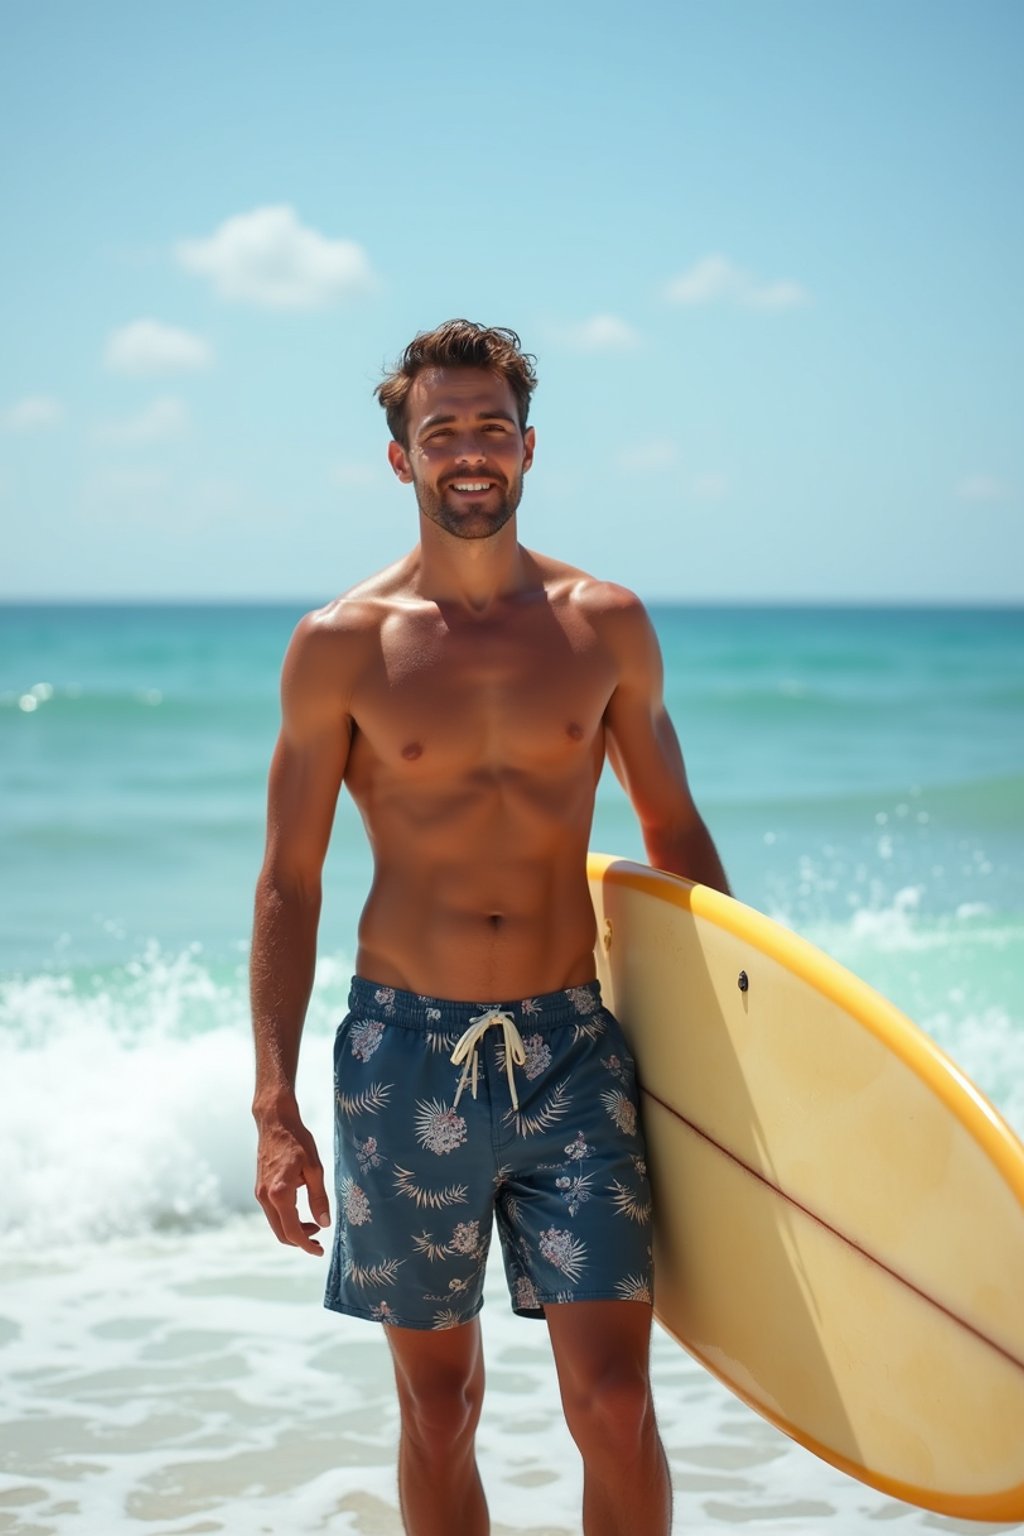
<point>305,777</point>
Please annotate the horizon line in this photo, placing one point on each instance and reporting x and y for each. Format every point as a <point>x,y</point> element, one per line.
<point>185,600</point>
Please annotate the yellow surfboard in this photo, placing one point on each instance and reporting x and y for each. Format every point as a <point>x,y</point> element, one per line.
<point>839,1213</point>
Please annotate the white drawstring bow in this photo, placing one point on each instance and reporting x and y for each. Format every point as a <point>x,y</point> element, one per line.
<point>467,1051</point>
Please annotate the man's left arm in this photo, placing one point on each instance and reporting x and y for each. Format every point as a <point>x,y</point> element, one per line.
<point>644,751</point>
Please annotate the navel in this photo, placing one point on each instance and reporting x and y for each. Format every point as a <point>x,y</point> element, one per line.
<point>412,750</point>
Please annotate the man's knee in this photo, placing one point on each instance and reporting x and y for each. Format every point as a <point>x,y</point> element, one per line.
<point>610,1413</point>
<point>440,1408</point>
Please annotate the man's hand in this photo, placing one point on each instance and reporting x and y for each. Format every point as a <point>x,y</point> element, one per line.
<point>287,1158</point>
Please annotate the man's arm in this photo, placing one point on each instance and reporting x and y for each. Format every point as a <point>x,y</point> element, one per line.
<point>305,777</point>
<point>644,751</point>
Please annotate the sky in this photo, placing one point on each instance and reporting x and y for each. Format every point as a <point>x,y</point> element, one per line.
<point>768,255</point>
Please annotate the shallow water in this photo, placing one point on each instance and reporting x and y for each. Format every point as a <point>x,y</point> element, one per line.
<point>193,1384</point>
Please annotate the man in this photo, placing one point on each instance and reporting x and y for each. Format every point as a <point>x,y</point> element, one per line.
<point>467,696</point>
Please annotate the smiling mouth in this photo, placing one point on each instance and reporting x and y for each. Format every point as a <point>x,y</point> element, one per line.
<point>471,487</point>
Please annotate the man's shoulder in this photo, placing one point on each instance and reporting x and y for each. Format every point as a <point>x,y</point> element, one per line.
<point>332,645</point>
<point>356,613</point>
<point>595,596</point>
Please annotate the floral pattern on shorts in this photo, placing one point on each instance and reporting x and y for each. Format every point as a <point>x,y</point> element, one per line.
<point>419,1183</point>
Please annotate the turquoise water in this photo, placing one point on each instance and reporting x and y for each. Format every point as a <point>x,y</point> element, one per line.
<point>862,771</point>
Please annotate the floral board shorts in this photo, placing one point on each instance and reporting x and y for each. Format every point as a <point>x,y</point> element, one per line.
<point>448,1115</point>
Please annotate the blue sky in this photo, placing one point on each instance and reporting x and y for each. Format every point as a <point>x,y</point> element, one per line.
<point>768,255</point>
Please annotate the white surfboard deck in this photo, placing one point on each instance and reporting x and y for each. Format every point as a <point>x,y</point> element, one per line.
<point>839,1213</point>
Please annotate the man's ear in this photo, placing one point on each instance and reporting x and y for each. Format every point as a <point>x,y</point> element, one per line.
<point>399,461</point>
<point>529,444</point>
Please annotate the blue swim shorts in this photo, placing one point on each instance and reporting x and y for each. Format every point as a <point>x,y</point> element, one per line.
<point>448,1115</point>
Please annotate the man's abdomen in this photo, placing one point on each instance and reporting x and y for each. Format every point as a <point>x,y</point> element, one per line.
<point>478,931</point>
<point>480,885</point>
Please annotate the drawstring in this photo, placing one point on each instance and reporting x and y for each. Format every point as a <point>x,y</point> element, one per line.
<point>466,1050</point>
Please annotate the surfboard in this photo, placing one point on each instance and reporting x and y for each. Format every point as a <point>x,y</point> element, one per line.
<point>838,1211</point>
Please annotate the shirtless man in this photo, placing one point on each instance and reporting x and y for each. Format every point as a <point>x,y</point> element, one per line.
<point>467,696</point>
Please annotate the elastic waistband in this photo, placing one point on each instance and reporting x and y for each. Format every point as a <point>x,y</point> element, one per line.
<point>413,1011</point>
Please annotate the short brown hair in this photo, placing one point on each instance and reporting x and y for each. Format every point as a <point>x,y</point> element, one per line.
<point>458,344</point>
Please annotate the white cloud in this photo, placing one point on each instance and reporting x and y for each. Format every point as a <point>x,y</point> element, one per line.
<point>602,333</point>
<point>268,258</point>
<point>658,453</point>
<point>982,488</point>
<point>777,295</point>
<point>709,279</point>
<point>164,418</point>
<point>150,347</point>
<point>709,486</point>
<point>35,413</point>
<point>717,280</point>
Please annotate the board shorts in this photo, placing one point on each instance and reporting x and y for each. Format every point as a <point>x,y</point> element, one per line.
<point>451,1115</point>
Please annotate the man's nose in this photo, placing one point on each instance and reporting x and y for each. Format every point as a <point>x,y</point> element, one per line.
<point>470,451</point>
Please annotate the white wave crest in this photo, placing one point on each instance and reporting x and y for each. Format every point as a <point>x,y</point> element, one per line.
<point>127,1098</point>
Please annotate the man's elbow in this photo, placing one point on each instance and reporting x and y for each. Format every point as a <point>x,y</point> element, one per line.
<point>287,884</point>
<point>686,850</point>
<point>677,830</point>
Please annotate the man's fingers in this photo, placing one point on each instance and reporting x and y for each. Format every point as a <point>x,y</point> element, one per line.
<point>284,1168</point>
<point>269,1212</point>
<point>311,1245</point>
<point>318,1202</point>
<point>290,1228</point>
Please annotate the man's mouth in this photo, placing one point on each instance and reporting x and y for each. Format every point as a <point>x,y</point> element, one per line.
<point>470,487</point>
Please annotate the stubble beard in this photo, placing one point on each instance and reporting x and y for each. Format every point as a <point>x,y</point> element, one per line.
<point>475,524</point>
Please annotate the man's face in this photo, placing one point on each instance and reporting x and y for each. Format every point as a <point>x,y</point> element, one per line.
<point>467,453</point>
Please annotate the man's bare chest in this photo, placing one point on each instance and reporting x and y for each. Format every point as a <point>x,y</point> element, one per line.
<point>510,695</point>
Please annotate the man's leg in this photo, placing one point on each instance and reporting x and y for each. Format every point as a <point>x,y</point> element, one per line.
<point>440,1380</point>
<point>602,1351</point>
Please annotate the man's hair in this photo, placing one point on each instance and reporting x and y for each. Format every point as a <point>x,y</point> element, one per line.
<point>458,344</point>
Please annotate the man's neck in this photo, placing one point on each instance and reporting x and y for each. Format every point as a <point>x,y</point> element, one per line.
<point>471,573</point>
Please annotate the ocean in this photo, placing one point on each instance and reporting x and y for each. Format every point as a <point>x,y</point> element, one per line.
<point>166,1365</point>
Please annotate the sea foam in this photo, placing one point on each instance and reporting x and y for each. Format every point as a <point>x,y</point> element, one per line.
<point>128,1098</point>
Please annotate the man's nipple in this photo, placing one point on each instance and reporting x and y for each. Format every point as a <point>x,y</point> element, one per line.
<point>412,750</point>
